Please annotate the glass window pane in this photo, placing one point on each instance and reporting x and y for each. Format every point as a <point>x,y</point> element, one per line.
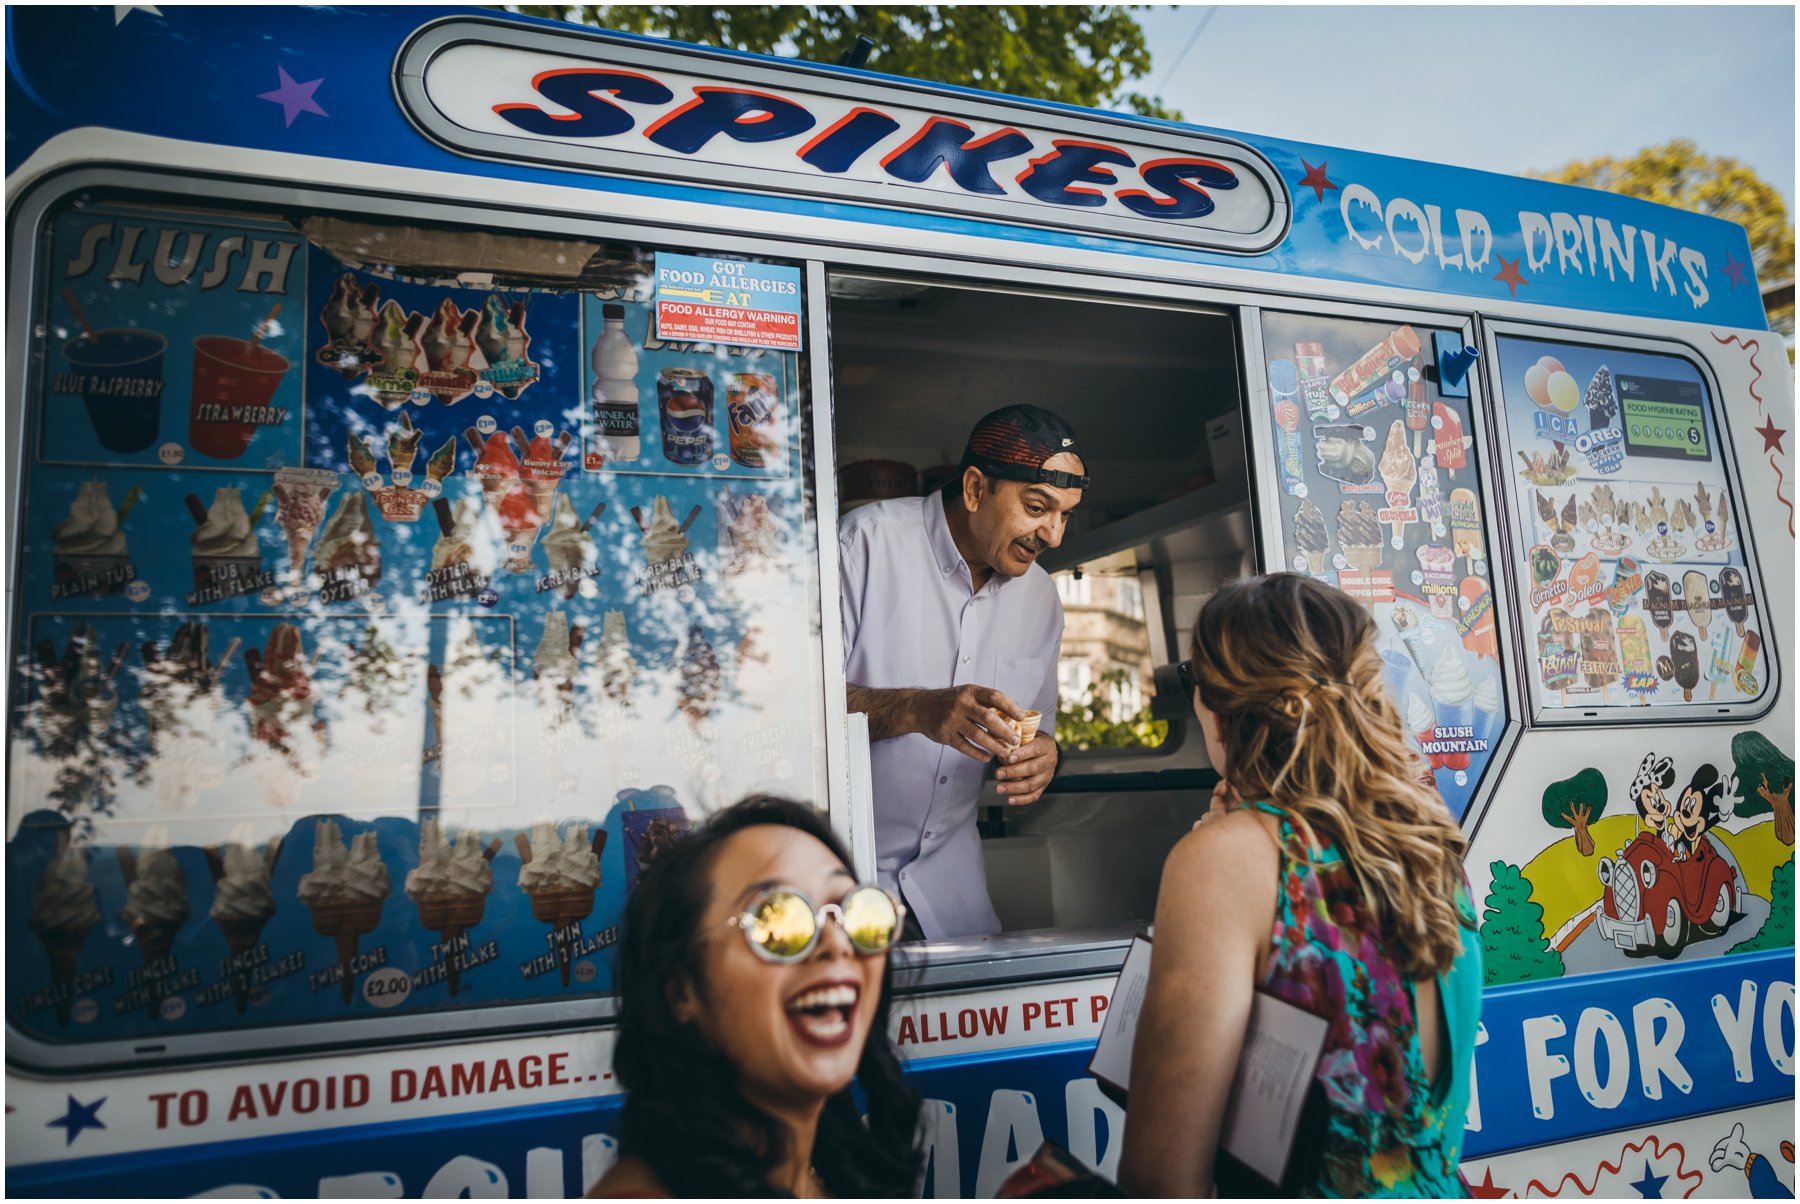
<point>1105,677</point>
<point>392,596</point>
<point>1639,589</point>
<point>1381,496</point>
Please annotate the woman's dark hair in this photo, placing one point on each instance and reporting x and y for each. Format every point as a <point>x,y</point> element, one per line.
<point>684,1115</point>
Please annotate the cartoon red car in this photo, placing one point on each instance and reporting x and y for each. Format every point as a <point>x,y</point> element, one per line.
<point>1653,902</point>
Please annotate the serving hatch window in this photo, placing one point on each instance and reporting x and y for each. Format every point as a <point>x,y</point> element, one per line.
<point>390,595</point>
<point>1642,599</point>
<point>1106,675</point>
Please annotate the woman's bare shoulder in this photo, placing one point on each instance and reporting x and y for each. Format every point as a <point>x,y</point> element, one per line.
<point>629,1179</point>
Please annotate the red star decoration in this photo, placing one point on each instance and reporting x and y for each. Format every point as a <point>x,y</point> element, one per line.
<point>1772,436</point>
<point>1509,275</point>
<point>1735,270</point>
<point>1315,179</point>
<point>1485,1190</point>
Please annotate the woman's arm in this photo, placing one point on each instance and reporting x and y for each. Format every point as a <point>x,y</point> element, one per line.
<point>1214,915</point>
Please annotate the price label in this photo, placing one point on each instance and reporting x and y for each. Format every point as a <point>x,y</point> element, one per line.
<point>386,988</point>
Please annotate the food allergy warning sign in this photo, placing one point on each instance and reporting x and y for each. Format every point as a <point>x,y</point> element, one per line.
<point>728,301</point>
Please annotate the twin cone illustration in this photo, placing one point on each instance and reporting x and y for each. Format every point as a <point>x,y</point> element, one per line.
<point>345,891</point>
<point>561,875</point>
<point>451,888</point>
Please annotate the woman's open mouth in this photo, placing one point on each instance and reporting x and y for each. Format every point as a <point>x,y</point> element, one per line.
<point>821,1015</point>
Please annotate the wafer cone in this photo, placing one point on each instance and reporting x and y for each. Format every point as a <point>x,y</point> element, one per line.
<point>1027,728</point>
<point>63,947</point>
<point>297,543</point>
<point>346,922</point>
<point>450,915</point>
<point>562,909</point>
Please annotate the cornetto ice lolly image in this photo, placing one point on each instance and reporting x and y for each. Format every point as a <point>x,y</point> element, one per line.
<point>64,909</point>
<point>300,497</point>
<point>243,901</point>
<point>1659,601</point>
<point>1744,676</point>
<point>344,892</point>
<point>560,875</point>
<point>451,888</point>
<point>1696,600</point>
<point>1311,536</point>
<point>1685,655</point>
<point>1448,442</point>
<point>1396,349</point>
<point>1733,597</point>
<point>1721,660</point>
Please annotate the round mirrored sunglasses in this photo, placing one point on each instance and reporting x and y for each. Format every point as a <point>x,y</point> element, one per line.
<point>782,925</point>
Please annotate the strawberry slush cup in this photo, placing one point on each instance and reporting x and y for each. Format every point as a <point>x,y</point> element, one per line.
<point>234,382</point>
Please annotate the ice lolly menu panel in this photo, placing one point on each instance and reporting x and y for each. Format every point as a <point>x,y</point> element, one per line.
<point>1634,569</point>
<point>378,623</point>
<point>1381,496</point>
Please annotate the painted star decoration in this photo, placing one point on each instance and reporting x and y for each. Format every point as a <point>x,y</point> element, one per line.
<point>294,98</point>
<point>1485,1190</point>
<point>121,11</point>
<point>1734,268</point>
<point>1315,179</point>
<point>1650,1186</point>
<point>1509,275</point>
<point>78,1118</point>
<point>1771,436</point>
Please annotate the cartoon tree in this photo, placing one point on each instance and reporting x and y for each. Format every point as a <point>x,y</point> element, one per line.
<point>1575,803</point>
<point>1765,777</point>
<point>1777,931</point>
<point>1513,945</point>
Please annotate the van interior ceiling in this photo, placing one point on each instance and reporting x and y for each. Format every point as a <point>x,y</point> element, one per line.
<point>1155,396</point>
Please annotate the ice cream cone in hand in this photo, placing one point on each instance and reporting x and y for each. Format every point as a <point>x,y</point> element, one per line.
<point>63,911</point>
<point>345,892</point>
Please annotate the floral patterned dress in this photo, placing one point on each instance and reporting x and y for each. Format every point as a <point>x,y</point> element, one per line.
<point>1375,1123</point>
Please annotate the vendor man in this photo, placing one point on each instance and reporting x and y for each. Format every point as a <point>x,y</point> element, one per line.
<point>951,632</point>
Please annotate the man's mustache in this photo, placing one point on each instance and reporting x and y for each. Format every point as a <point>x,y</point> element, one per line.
<point>1032,544</point>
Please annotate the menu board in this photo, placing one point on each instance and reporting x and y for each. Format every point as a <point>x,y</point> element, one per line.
<point>1381,497</point>
<point>1635,573</point>
<point>361,667</point>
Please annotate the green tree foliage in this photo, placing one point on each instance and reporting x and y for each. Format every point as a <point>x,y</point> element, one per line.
<point>1777,931</point>
<point>1678,174</point>
<point>1575,803</point>
<point>1765,777</point>
<point>1080,54</point>
<point>1089,723</point>
<point>1513,945</point>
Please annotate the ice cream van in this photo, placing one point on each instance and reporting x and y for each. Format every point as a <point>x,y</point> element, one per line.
<point>426,430</point>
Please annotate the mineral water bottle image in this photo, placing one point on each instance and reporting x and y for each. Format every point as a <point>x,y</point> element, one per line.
<point>615,391</point>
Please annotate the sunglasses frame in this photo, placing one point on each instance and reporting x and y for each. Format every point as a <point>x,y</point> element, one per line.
<point>744,919</point>
<point>1189,687</point>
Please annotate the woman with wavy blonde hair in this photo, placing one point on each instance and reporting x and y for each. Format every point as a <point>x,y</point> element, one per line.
<point>1328,875</point>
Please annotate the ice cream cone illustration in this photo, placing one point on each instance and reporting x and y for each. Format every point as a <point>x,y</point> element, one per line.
<point>699,675</point>
<point>561,874</point>
<point>63,911</point>
<point>403,449</point>
<point>1311,536</point>
<point>1399,472</point>
<point>664,538</point>
<point>1406,622</point>
<point>542,468</point>
<point>300,497</point>
<point>361,459</point>
<point>442,462</point>
<point>1359,534</point>
<point>502,484</point>
<point>345,892</point>
<point>349,542</point>
<point>451,888</point>
<point>569,547</point>
<point>243,901</point>
<point>555,665</point>
<point>156,904</point>
<point>617,666</point>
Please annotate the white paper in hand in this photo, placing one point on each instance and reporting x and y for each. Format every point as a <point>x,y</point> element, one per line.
<point>1275,1070</point>
<point>1111,1063</point>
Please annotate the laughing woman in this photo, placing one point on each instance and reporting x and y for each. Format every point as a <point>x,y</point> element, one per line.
<point>753,985</point>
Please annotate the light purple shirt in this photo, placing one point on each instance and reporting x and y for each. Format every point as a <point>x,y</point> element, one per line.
<point>910,620</point>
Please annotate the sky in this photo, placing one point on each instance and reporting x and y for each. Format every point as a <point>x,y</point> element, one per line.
<point>1501,89</point>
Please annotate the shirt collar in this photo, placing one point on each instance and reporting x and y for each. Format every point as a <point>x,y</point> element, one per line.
<point>944,550</point>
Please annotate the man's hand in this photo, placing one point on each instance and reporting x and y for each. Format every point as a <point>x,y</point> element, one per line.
<point>1027,771</point>
<point>971,719</point>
